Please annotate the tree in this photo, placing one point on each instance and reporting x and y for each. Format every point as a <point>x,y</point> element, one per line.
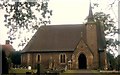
<point>4,63</point>
<point>109,26</point>
<point>110,30</point>
<point>114,62</point>
<point>16,58</point>
<point>118,62</point>
<point>111,61</point>
<point>28,15</point>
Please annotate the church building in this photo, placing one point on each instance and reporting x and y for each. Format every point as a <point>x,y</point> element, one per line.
<point>75,46</point>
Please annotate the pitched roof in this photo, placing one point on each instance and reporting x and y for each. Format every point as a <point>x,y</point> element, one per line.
<point>56,38</point>
<point>61,38</point>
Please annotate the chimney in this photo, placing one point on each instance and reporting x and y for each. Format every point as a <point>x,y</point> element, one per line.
<point>7,41</point>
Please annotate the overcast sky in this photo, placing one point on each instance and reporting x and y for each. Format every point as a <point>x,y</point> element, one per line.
<point>68,12</point>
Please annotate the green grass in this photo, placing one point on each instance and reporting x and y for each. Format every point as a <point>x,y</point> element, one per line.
<point>81,71</point>
<point>18,70</point>
<point>95,71</point>
<point>85,72</point>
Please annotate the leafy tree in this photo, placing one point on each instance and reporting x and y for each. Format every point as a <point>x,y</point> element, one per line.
<point>28,15</point>
<point>118,62</point>
<point>4,63</point>
<point>16,58</point>
<point>111,61</point>
<point>109,28</point>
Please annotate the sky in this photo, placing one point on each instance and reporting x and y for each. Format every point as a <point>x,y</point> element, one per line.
<point>67,12</point>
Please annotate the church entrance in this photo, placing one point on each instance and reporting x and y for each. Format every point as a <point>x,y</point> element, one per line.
<point>82,62</point>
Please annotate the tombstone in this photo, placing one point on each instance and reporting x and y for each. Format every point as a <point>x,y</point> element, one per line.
<point>66,68</point>
<point>29,67</point>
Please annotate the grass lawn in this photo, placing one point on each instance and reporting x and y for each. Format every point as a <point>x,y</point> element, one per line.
<point>81,71</point>
<point>86,72</point>
<point>68,72</point>
<point>18,70</point>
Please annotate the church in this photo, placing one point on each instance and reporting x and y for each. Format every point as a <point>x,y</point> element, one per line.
<point>75,46</point>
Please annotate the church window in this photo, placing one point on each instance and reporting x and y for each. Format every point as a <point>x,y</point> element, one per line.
<point>38,58</point>
<point>62,58</point>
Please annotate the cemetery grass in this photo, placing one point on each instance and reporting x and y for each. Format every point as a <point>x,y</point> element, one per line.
<point>20,70</point>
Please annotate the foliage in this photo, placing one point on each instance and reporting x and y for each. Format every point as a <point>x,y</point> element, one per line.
<point>118,62</point>
<point>111,61</point>
<point>20,16</point>
<point>16,58</point>
<point>4,63</point>
<point>109,28</point>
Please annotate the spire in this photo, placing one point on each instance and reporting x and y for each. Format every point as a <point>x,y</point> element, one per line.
<point>90,17</point>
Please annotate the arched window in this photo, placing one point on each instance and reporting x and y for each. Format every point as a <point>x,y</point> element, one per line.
<point>38,58</point>
<point>62,58</point>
